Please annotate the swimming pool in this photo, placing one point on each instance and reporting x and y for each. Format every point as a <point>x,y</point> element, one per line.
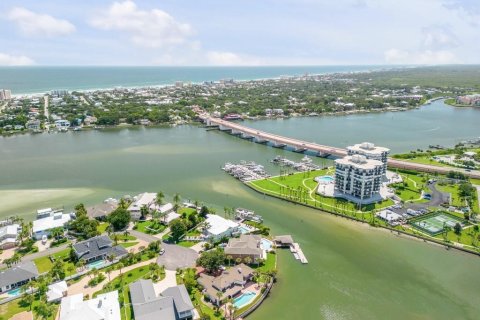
<point>96,264</point>
<point>325,179</point>
<point>15,292</point>
<point>266,244</point>
<point>244,299</point>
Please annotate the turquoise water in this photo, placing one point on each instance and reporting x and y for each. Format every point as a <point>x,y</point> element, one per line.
<point>266,244</point>
<point>96,264</point>
<point>244,299</point>
<point>23,80</point>
<point>326,179</point>
<point>15,292</point>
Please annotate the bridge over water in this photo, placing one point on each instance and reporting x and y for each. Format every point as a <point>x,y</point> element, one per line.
<point>323,150</point>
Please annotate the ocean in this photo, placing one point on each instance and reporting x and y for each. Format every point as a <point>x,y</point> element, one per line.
<point>37,79</point>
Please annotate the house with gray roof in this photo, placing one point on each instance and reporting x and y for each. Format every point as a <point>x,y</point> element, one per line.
<point>248,245</point>
<point>17,276</point>
<point>97,248</point>
<point>172,304</point>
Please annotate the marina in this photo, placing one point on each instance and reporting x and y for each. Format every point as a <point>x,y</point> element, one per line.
<point>306,164</point>
<point>245,171</point>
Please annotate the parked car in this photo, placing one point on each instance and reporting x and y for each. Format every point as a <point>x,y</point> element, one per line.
<point>162,251</point>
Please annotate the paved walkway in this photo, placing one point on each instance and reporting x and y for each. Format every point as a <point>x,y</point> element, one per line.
<point>169,281</point>
<point>197,247</point>
<point>82,285</point>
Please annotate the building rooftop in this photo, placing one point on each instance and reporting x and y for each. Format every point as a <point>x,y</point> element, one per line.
<point>97,246</point>
<point>368,147</point>
<point>219,225</point>
<point>56,290</point>
<point>245,245</point>
<point>103,307</point>
<point>360,162</point>
<point>143,199</point>
<point>50,222</point>
<point>21,272</point>
<point>102,209</point>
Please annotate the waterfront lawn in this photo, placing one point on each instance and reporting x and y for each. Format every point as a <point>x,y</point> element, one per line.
<point>268,265</point>
<point>301,187</point>
<point>187,211</point>
<point>44,264</point>
<point>150,226</point>
<point>466,237</point>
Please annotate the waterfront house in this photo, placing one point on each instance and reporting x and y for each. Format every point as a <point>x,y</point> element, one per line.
<point>165,211</point>
<point>102,210</point>
<point>17,276</point>
<point>103,307</point>
<point>42,227</point>
<point>144,199</point>
<point>218,227</point>
<point>173,303</point>
<point>230,283</point>
<point>33,125</point>
<point>62,124</point>
<point>8,236</point>
<point>56,291</point>
<point>97,248</point>
<point>245,246</point>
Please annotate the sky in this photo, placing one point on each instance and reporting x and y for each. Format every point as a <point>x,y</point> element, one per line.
<point>239,32</point>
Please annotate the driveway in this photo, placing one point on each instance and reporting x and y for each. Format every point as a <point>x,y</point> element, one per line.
<point>177,257</point>
<point>437,199</point>
<point>169,281</point>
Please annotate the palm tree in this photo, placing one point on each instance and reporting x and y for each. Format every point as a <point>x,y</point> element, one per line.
<point>81,264</point>
<point>176,199</point>
<point>126,233</point>
<point>108,273</point>
<point>248,260</point>
<point>109,229</point>
<point>120,266</point>
<point>229,258</point>
<point>159,198</point>
<point>115,238</point>
<point>238,260</point>
<point>219,295</point>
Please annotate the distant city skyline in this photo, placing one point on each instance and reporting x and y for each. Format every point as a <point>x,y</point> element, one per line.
<point>239,33</point>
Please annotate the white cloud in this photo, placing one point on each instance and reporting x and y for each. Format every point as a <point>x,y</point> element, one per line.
<point>154,28</point>
<point>439,38</point>
<point>36,24</point>
<point>223,58</point>
<point>397,56</point>
<point>11,60</point>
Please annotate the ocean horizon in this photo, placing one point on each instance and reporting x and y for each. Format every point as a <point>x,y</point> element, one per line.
<point>42,79</point>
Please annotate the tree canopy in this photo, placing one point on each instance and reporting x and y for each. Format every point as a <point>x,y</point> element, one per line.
<point>211,260</point>
<point>119,218</point>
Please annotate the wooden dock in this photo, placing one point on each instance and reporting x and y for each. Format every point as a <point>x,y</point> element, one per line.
<point>298,253</point>
<point>286,241</point>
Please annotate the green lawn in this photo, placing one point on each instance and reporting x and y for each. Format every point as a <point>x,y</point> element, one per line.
<point>8,310</point>
<point>428,160</point>
<point>203,308</point>
<point>187,211</point>
<point>269,264</point>
<point>414,186</point>
<point>300,187</point>
<point>44,264</point>
<point>150,226</point>
<point>128,244</point>
<point>122,237</point>
<point>102,227</point>
<point>475,181</point>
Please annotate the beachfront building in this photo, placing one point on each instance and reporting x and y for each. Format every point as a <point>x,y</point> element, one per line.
<point>5,94</point>
<point>245,246</point>
<point>144,199</point>
<point>230,283</point>
<point>371,152</point>
<point>8,236</point>
<point>42,227</point>
<point>173,303</point>
<point>17,276</point>
<point>104,306</point>
<point>62,124</point>
<point>97,248</point>
<point>218,227</point>
<point>358,179</point>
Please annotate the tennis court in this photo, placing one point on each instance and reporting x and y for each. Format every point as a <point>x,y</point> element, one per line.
<point>435,224</point>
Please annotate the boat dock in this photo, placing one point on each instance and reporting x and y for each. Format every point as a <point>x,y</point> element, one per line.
<point>286,241</point>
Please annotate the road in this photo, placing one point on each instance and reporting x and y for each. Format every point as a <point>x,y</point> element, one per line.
<point>339,152</point>
<point>143,236</point>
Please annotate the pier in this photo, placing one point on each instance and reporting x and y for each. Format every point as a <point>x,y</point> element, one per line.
<point>278,141</point>
<point>286,241</point>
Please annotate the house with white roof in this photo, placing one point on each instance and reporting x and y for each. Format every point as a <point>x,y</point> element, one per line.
<point>103,307</point>
<point>43,226</point>
<point>56,291</point>
<point>218,227</point>
<point>146,199</point>
<point>8,236</point>
<point>166,212</point>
